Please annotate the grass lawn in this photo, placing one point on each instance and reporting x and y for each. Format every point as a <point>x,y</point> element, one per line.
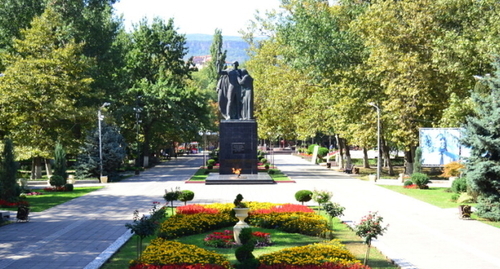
<point>282,240</point>
<point>436,196</point>
<point>39,203</point>
<point>439,197</point>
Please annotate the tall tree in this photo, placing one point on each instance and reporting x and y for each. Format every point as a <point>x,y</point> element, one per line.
<point>46,77</point>
<point>482,136</point>
<point>8,171</point>
<point>60,161</point>
<point>159,76</point>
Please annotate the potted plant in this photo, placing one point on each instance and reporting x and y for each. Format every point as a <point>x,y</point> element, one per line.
<point>241,212</point>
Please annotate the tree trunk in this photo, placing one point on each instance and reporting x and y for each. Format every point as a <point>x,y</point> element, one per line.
<point>340,155</point>
<point>387,157</point>
<point>348,160</point>
<point>366,164</point>
<point>36,168</point>
<point>367,254</point>
<point>409,160</point>
<point>48,168</point>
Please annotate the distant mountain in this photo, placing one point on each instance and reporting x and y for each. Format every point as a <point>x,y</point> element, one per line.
<point>199,45</point>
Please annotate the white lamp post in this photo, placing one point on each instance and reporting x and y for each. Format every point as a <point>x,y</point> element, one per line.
<point>99,119</point>
<point>379,159</point>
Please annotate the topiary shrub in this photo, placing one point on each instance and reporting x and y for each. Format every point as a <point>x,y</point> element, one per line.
<point>68,187</point>
<point>303,196</point>
<point>244,253</point>
<point>210,163</point>
<point>420,179</point>
<point>185,196</point>
<point>408,183</point>
<point>263,160</point>
<point>322,152</point>
<point>57,181</point>
<point>459,185</point>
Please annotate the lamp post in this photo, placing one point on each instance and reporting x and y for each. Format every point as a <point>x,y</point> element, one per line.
<point>379,159</point>
<point>99,119</point>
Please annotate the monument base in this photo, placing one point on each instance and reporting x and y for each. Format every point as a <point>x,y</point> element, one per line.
<point>260,178</point>
<point>238,147</point>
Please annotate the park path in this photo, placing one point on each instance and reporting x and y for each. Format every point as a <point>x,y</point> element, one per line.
<point>419,235</point>
<point>84,232</point>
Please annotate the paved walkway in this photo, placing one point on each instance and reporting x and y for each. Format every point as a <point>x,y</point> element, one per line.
<point>84,232</point>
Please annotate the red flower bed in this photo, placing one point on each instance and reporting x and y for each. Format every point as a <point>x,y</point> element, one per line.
<point>286,208</point>
<point>412,186</point>
<point>327,265</point>
<point>177,266</point>
<point>195,209</point>
<point>54,189</point>
<point>8,204</point>
<point>225,239</point>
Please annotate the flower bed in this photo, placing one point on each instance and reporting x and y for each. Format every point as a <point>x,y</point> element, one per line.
<point>162,252</point>
<point>225,239</point>
<point>195,219</point>
<point>323,255</point>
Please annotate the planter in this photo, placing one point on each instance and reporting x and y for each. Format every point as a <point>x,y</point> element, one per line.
<point>104,179</point>
<point>372,178</point>
<point>241,214</point>
<point>71,179</point>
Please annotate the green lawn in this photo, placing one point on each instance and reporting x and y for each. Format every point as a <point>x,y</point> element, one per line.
<point>282,240</point>
<point>439,197</point>
<point>39,203</point>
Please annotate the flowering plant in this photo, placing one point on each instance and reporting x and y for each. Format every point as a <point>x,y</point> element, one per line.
<point>369,228</point>
<point>225,239</point>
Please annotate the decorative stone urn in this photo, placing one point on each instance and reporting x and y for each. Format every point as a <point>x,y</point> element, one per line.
<point>241,214</point>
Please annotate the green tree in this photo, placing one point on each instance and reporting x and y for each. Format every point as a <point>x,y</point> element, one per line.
<point>113,153</point>
<point>8,171</point>
<point>46,78</point>
<point>170,108</point>
<point>60,162</point>
<point>482,136</point>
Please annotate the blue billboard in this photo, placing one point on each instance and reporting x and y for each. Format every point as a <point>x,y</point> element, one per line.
<point>441,146</point>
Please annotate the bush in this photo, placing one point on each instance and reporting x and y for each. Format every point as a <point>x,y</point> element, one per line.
<point>489,208</point>
<point>263,160</point>
<point>57,181</point>
<point>459,185</point>
<point>322,152</point>
<point>420,179</point>
<point>68,187</point>
<point>303,196</point>
<point>408,183</point>
<point>266,166</point>
<point>210,162</point>
<point>185,196</point>
<point>452,169</point>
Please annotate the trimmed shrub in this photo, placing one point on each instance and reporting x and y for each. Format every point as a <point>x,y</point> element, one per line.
<point>68,187</point>
<point>459,185</point>
<point>408,183</point>
<point>57,181</point>
<point>185,196</point>
<point>420,179</point>
<point>303,196</point>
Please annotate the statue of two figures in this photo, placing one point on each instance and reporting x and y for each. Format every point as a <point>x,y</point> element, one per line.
<point>235,93</point>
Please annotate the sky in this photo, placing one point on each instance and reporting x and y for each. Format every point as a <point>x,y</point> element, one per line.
<point>196,16</point>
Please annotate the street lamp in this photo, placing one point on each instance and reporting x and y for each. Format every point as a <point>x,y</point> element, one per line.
<point>379,159</point>
<point>100,117</point>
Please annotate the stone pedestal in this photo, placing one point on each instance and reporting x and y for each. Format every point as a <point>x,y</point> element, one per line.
<point>238,146</point>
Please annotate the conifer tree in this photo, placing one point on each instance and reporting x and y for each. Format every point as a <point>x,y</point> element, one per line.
<point>8,170</point>
<point>482,135</point>
<point>60,161</point>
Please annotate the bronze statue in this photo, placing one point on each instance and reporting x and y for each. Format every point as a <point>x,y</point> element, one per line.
<point>229,92</point>
<point>246,83</point>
